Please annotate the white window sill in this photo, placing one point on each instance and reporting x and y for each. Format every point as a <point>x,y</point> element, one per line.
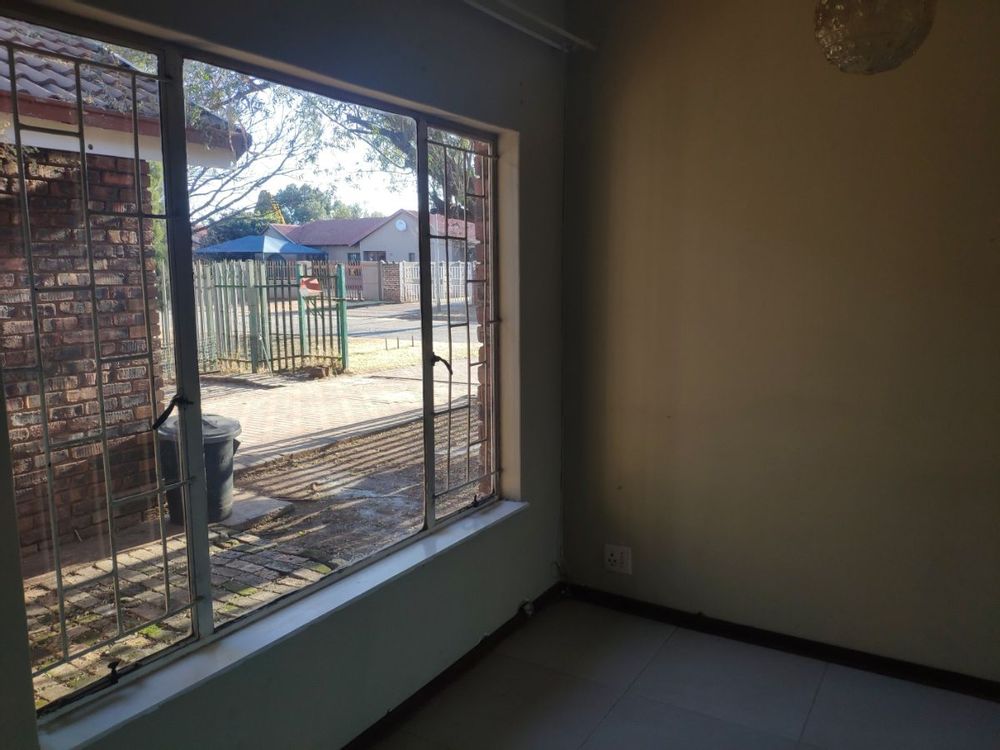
<point>88,722</point>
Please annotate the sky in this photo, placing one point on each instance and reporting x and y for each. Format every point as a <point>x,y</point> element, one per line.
<point>372,190</point>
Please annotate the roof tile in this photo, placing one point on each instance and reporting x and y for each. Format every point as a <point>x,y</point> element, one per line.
<point>46,77</point>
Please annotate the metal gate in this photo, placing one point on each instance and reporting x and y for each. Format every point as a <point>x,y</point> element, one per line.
<point>275,315</point>
<point>354,283</point>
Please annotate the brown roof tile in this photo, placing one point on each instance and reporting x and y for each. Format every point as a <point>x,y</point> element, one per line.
<point>349,232</point>
<point>331,231</point>
<point>46,85</point>
<point>52,78</point>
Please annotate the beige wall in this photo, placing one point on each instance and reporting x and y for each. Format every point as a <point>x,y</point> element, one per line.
<point>395,244</point>
<point>783,330</point>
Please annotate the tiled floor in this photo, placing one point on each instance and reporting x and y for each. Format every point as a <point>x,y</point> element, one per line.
<point>580,676</point>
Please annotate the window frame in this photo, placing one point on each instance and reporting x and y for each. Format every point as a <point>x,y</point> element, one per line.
<point>170,56</point>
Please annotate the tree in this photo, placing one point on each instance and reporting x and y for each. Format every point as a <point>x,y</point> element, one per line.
<point>271,129</point>
<point>235,225</point>
<point>280,132</point>
<point>288,130</point>
<point>268,206</point>
<point>294,204</point>
<point>302,203</point>
<point>341,210</point>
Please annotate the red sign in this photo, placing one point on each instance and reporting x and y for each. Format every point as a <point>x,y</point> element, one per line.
<point>309,286</point>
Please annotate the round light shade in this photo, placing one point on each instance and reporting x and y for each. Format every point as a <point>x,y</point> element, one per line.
<point>871,36</point>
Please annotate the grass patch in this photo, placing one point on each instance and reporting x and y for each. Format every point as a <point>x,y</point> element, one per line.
<point>369,354</point>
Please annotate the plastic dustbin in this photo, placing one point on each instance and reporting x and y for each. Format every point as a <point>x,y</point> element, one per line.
<point>219,437</point>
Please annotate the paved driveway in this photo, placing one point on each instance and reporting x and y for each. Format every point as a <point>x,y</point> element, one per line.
<point>399,320</point>
<point>281,415</point>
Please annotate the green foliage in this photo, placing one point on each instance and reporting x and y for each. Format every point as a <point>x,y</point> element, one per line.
<point>156,199</point>
<point>264,201</point>
<point>341,210</point>
<point>302,203</point>
<point>268,206</point>
<point>239,224</point>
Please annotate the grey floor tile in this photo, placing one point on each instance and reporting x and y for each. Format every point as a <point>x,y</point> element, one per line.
<point>639,723</point>
<point>507,703</point>
<point>755,687</point>
<point>862,711</point>
<point>587,641</point>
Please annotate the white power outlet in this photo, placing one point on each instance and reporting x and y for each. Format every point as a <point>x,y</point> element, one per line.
<point>618,559</point>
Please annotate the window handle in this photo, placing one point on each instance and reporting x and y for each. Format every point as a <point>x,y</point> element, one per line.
<point>443,361</point>
<point>177,399</point>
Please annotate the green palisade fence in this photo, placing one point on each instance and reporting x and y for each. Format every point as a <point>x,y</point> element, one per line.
<point>258,316</point>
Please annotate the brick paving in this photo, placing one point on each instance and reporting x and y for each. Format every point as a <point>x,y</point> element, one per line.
<point>247,571</point>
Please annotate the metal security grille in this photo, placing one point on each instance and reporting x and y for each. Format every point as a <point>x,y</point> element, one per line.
<point>86,376</point>
<point>462,251</point>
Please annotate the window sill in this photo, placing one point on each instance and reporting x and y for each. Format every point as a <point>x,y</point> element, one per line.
<point>87,722</point>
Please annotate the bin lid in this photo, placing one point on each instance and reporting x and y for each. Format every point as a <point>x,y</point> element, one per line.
<point>214,428</point>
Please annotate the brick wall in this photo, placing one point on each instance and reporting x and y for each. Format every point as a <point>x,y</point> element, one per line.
<point>391,287</point>
<point>484,389</point>
<point>59,244</point>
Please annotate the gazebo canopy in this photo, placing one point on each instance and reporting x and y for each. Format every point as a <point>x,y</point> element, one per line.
<point>257,245</point>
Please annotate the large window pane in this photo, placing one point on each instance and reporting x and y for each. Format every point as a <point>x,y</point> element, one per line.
<point>308,307</point>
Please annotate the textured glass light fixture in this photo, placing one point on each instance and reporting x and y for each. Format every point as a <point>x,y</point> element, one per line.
<point>871,36</point>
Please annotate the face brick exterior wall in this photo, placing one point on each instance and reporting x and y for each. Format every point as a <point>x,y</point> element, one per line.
<point>484,389</point>
<point>391,287</point>
<point>59,244</point>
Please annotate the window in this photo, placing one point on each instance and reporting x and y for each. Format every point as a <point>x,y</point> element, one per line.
<point>374,255</point>
<point>201,421</point>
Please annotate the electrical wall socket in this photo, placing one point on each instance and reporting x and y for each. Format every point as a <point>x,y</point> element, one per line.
<point>618,559</point>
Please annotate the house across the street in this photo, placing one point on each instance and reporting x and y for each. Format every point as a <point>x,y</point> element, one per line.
<point>392,239</point>
<point>389,238</point>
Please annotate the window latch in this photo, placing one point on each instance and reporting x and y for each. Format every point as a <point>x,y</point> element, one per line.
<point>443,361</point>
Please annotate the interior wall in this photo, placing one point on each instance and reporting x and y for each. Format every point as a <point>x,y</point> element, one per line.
<point>782,318</point>
<point>329,682</point>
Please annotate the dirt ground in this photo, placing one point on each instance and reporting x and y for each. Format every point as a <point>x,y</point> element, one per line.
<point>359,495</point>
